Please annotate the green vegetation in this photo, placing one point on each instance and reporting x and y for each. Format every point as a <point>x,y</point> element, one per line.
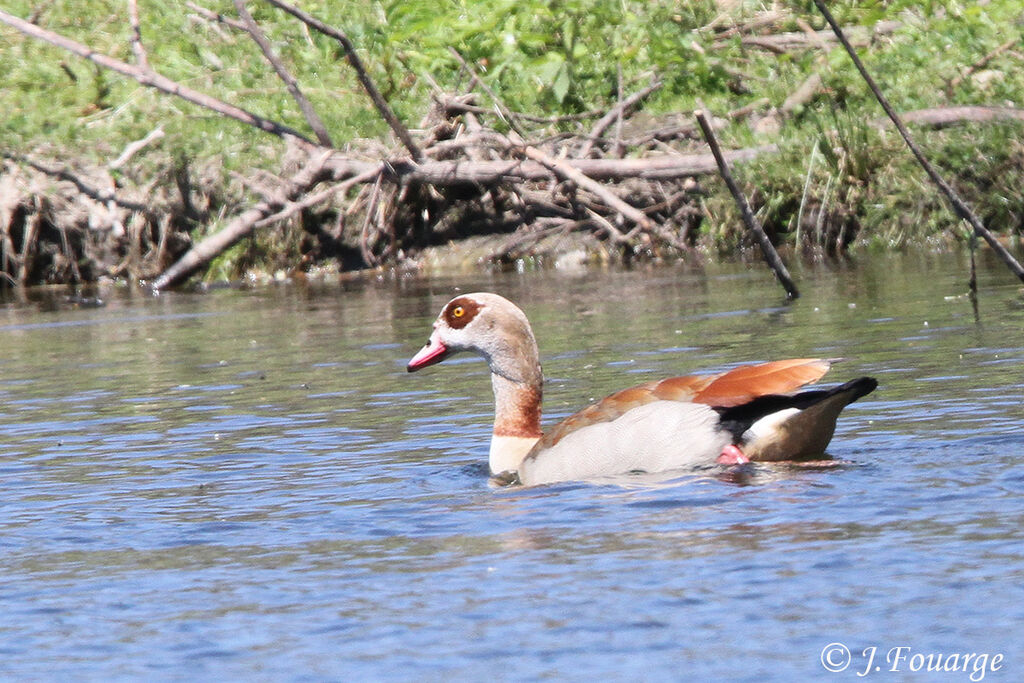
<point>552,57</point>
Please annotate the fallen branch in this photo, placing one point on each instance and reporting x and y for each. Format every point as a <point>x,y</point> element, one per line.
<point>755,24</point>
<point>782,43</point>
<point>940,117</point>
<point>802,95</point>
<point>569,172</point>
<point>960,208</point>
<point>86,188</point>
<point>310,200</point>
<point>451,173</point>
<point>210,247</point>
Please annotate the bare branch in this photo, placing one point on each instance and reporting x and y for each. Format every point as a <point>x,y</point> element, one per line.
<point>614,233</point>
<point>802,95</point>
<point>980,64</point>
<point>279,68</point>
<point>153,79</point>
<point>89,190</point>
<point>947,116</point>
<point>138,49</point>
<point>133,148</point>
<point>311,200</point>
<point>565,170</point>
<point>364,77</point>
<point>960,208</point>
<point>782,43</point>
<point>618,110</point>
<point>505,112</point>
<point>760,21</point>
<point>770,255</point>
<point>210,15</point>
<point>449,173</point>
<point>364,233</point>
<point>242,225</point>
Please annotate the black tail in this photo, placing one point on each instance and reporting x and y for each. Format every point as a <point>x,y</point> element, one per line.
<point>737,420</point>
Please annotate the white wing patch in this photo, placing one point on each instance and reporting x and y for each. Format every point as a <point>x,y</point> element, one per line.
<point>768,424</point>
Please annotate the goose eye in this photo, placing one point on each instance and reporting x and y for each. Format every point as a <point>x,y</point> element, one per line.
<point>458,311</point>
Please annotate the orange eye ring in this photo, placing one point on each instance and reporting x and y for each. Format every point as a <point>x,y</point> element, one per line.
<point>458,311</point>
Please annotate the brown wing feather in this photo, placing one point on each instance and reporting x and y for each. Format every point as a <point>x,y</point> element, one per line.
<point>682,388</point>
<point>747,382</point>
<point>726,389</point>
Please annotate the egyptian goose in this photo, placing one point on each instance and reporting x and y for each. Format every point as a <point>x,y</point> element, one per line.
<point>740,415</point>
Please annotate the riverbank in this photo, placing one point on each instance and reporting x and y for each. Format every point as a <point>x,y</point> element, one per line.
<point>107,179</point>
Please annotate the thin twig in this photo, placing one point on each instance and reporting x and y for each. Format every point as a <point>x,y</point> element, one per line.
<point>615,112</point>
<point>364,233</point>
<point>309,200</point>
<point>568,172</point>
<point>803,196</point>
<point>89,190</point>
<point>454,105</point>
<point>138,49</point>
<point>210,15</point>
<point>618,146</point>
<point>770,255</point>
<point>980,64</point>
<point>361,73</point>
<point>505,112</point>
<point>133,148</point>
<point>282,72</point>
<point>960,208</point>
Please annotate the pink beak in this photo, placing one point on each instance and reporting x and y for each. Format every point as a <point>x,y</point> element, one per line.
<point>432,352</point>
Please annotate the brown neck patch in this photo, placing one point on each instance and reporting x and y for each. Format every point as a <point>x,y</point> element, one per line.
<point>520,414</point>
<point>460,312</point>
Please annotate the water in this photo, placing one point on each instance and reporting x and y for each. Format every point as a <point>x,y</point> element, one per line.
<point>248,485</point>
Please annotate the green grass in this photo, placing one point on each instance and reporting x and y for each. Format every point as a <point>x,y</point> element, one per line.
<point>552,57</point>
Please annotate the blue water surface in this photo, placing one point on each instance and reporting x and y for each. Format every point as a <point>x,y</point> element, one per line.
<point>248,485</point>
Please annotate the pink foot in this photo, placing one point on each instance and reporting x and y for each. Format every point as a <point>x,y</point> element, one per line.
<point>732,455</point>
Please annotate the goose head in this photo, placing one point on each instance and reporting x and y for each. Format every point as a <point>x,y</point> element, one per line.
<point>488,325</point>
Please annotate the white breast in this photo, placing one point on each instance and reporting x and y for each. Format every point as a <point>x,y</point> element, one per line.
<point>655,437</point>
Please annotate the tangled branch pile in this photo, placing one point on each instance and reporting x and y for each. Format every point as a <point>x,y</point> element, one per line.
<point>472,167</point>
